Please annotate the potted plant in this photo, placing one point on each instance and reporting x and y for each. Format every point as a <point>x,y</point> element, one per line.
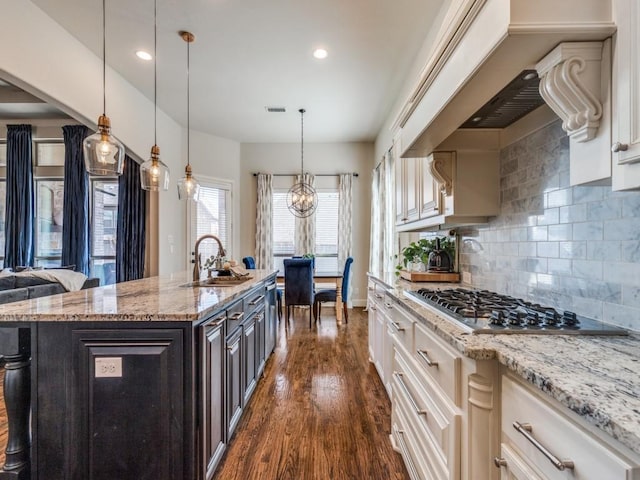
<point>418,252</point>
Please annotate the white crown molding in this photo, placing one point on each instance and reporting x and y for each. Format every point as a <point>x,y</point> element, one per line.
<point>570,84</point>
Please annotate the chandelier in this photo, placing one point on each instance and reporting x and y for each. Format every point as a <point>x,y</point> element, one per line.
<point>302,198</point>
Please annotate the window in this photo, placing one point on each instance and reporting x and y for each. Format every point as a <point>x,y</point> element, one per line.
<point>104,224</point>
<point>211,215</point>
<point>326,249</point>
<point>48,225</point>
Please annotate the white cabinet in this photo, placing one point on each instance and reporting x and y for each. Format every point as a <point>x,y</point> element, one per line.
<point>542,439</point>
<point>626,93</point>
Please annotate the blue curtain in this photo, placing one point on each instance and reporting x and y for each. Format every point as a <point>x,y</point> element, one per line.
<point>75,226</point>
<point>18,247</point>
<point>132,202</point>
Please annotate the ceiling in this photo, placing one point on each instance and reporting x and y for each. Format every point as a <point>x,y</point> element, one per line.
<point>249,54</point>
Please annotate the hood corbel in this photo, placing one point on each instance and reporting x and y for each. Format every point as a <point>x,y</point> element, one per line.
<point>570,84</point>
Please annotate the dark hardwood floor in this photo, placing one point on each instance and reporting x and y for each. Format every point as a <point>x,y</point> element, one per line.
<point>319,413</point>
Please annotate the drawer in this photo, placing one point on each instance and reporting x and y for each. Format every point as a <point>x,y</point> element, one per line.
<point>544,427</point>
<point>400,324</point>
<point>254,299</point>
<point>439,362</point>
<point>435,425</point>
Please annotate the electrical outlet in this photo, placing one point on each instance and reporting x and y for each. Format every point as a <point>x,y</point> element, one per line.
<point>108,367</point>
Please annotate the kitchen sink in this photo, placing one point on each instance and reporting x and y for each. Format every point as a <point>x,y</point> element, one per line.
<point>218,282</point>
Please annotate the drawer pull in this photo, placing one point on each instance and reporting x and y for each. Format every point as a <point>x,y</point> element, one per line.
<point>525,429</point>
<point>397,326</point>
<point>379,295</point>
<point>408,394</point>
<point>236,316</point>
<point>499,462</point>
<point>256,300</point>
<point>403,446</point>
<point>427,360</point>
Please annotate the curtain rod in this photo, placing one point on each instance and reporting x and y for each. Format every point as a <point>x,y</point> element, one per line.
<point>355,174</point>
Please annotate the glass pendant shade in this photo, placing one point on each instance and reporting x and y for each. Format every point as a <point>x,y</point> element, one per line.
<point>103,153</point>
<point>154,174</point>
<point>188,186</point>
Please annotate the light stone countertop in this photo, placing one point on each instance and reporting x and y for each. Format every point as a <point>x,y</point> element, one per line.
<point>597,377</point>
<point>149,299</point>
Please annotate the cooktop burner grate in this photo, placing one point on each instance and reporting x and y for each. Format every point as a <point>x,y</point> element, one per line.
<point>482,311</point>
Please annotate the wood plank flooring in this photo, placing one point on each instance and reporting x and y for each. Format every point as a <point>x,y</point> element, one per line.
<point>319,413</point>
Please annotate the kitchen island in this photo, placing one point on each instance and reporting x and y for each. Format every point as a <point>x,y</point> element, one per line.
<point>143,379</point>
<point>587,385</point>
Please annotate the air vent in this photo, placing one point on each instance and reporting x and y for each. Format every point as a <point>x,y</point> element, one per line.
<point>275,109</point>
<point>519,97</point>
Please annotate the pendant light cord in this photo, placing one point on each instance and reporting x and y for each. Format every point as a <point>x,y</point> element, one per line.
<point>104,59</point>
<point>155,72</point>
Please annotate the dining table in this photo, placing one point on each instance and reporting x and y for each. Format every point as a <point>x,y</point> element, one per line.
<point>325,277</point>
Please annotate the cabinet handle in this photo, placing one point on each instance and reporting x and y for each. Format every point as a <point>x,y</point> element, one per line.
<point>408,394</point>
<point>525,429</point>
<point>619,147</point>
<point>236,316</point>
<point>423,355</point>
<point>403,447</point>
<point>378,295</point>
<point>397,326</point>
<point>499,462</point>
<point>255,301</point>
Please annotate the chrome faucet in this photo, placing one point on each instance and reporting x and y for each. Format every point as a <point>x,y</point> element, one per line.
<point>197,262</point>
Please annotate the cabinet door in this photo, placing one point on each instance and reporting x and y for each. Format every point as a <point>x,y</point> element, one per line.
<point>429,192</point>
<point>234,380</point>
<point>213,376</point>
<point>627,84</point>
<point>127,401</point>
<point>250,357</point>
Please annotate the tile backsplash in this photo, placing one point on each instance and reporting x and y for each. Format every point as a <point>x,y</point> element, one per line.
<point>574,248</point>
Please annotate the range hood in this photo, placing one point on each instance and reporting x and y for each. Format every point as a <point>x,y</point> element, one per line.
<point>488,45</point>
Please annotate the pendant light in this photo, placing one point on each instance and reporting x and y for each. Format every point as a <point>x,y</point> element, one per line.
<point>103,153</point>
<point>154,174</point>
<point>302,198</point>
<point>188,186</point>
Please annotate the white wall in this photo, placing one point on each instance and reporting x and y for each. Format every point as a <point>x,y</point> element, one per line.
<point>217,158</point>
<point>319,158</point>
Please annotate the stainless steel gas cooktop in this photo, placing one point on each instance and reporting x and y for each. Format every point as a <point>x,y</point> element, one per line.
<point>482,311</point>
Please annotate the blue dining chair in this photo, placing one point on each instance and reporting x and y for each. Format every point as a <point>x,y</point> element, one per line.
<point>298,284</point>
<point>331,295</point>
<point>250,264</point>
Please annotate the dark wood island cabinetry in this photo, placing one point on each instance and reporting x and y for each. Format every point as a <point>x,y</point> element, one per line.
<point>141,380</point>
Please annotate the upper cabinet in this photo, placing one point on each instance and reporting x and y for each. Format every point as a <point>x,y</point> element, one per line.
<point>626,96</point>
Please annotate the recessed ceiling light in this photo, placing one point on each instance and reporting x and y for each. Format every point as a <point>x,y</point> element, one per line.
<point>320,53</point>
<point>141,54</point>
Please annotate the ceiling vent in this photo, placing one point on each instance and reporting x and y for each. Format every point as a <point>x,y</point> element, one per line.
<point>520,97</point>
<point>275,109</point>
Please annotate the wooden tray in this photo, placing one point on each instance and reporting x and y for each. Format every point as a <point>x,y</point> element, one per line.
<point>430,276</point>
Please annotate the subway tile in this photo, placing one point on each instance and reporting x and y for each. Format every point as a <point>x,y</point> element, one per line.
<point>573,250</point>
<point>551,216</point>
<point>548,249</point>
<point>588,231</point>
<point>590,269</point>
<point>560,232</point>
<point>605,251</point>
<point>573,213</point>
<point>538,234</point>
<point>560,198</point>
<point>622,229</point>
<point>605,210</point>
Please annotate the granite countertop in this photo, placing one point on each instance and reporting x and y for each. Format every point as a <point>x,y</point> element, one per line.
<point>597,377</point>
<point>160,298</point>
